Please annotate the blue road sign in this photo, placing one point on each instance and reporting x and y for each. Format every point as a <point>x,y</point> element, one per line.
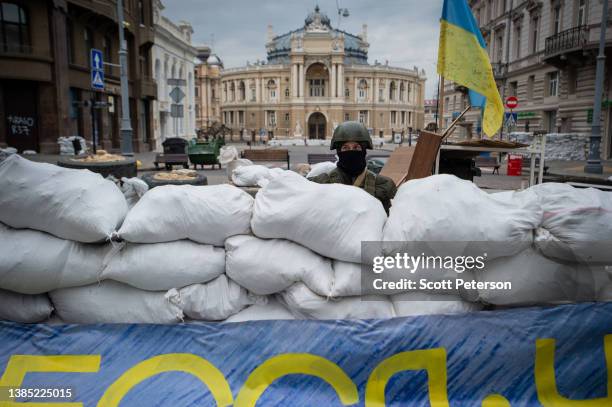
<point>510,118</point>
<point>97,69</point>
<point>96,60</point>
<point>97,79</point>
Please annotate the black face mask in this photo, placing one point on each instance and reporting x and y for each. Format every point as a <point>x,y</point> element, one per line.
<point>352,162</point>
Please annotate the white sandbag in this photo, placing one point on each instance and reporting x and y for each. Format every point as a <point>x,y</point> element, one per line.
<point>235,163</point>
<point>270,310</point>
<point>133,189</point>
<point>419,303</point>
<point>536,280</point>
<point>213,301</point>
<point>228,154</point>
<point>162,266</point>
<point>250,175</point>
<point>305,304</point>
<point>33,262</point>
<point>113,302</point>
<point>331,220</point>
<point>446,208</point>
<point>72,204</point>
<point>579,222</point>
<point>204,214</point>
<point>22,308</point>
<point>347,279</point>
<point>268,266</point>
<point>321,168</point>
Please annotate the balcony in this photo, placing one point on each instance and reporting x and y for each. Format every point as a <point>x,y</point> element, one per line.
<point>148,87</point>
<point>566,46</point>
<point>499,70</point>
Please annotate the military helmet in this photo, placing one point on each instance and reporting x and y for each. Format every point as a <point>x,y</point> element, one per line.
<point>350,131</point>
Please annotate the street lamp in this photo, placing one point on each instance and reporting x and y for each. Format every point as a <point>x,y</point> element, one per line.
<point>593,165</point>
<point>342,12</point>
<point>126,125</point>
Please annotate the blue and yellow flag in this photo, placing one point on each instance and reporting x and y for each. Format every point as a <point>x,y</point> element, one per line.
<point>463,59</point>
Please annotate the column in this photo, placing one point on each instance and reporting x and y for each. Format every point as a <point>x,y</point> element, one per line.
<point>280,89</point>
<point>332,85</point>
<point>301,81</point>
<point>208,99</point>
<point>294,80</point>
<point>375,96</point>
<point>340,80</point>
<point>258,90</point>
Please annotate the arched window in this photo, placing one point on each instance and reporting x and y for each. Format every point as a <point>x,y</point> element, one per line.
<point>392,89</point>
<point>241,90</point>
<point>232,91</point>
<point>14,28</point>
<point>363,89</point>
<point>272,89</point>
<point>347,92</point>
<point>402,91</point>
<point>287,92</point>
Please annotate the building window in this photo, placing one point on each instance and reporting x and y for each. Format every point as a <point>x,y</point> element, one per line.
<point>287,92</point>
<point>551,121</point>
<point>232,92</point>
<point>272,89</point>
<point>107,51</point>
<point>241,117</point>
<point>347,93</point>
<point>362,89</point>
<point>253,95</point>
<point>363,117</point>
<point>70,40</point>
<point>392,89</point>
<point>141,12</point>
<point>403,118</point>
<point>393,117</point>
<point>242,90</point>
<point>402,91</point>
<point>381,95</point>
<point>582,9</point>
<point>89,44</point>
<point>409,118</point>
<point>556,20</point>
<point>517,42</point>
<point>534,34</point>
<point>14,28</point>
<point>513,88</point>
<point>347,117</point>
<point>553,83</point>
<point>271,118</point>
<point>499,46</point>
<point>197,110</point>
<point>287,117</point>
<point>196,91</point>
<point>232,117</point>
<point>317,87</point>
<point>530,85</point>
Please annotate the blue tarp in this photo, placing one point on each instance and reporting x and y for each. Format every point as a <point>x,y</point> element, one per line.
<point>530,357</point>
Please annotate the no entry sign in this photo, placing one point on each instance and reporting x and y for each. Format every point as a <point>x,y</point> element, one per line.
<point>512,102</point>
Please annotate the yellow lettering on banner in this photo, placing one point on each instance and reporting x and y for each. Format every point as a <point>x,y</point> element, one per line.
<point>495,400</point>
<point>19,365</point>
<point>171,362</point>
<point>296,363</point>
<point>431,360</point>
<point>546,383</point>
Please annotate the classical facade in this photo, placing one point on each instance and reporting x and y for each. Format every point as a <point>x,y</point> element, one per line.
<point>315,77</point>
<point>173,59</point>
<point>207,88</point>
<point>45,81</point>
<point>544,52</point>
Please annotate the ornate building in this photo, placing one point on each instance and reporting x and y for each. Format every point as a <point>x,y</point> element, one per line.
<point>315,77</point>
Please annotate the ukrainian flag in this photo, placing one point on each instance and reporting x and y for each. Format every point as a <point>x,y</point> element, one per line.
<point>463,59</point>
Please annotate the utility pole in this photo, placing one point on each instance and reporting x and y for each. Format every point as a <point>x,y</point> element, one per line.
<point>593,165</point>
<point>126,125</point>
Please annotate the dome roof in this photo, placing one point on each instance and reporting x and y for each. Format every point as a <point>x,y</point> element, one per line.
<point>317,15</point>
<point>213,59</point>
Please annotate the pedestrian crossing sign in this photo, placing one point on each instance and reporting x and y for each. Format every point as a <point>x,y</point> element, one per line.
<point>97,79</point>
<point>510,119</point>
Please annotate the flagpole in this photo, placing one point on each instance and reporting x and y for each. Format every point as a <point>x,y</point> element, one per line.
<point>441,104</point>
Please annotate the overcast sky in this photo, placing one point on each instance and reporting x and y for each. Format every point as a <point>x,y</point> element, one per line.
<point>405,32</point>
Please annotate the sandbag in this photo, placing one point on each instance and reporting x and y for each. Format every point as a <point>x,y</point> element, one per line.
<point>213,301</point>
<point>22,308</point>
<point>113,302</point>
<point>254,175</point>
<point>71,204</point>
<point>133,189</point>
<point>578,222</point>
<point>305,304</point>
<point>204,214</point>
<point>331,219</point>
<point>268,266</point>
<point>33,262</point>
<point>347,279</point>
<point>321,168</point>
<point>270,310</point>
<point>536,280</point>
<point>446,208</point>
<point>419,303</point>
<point>235,163</point>
<point>162,266</point>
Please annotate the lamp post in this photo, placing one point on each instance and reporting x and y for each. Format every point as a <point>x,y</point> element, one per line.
<point>126,125</point>
<point>593,165</point>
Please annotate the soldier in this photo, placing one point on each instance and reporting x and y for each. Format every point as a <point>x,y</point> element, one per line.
<point>350,140</point>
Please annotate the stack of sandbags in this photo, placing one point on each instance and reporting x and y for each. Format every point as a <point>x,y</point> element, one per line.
<point>254,175</point>
<point>50,218</point>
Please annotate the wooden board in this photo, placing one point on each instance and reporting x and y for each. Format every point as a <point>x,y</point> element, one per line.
<point>398,164</point>
<point>425,155</point>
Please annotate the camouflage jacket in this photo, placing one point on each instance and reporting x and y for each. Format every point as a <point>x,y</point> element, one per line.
<point>379,186</point>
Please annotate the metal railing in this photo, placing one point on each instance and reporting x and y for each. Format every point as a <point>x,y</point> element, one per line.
<point>574,38</point>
